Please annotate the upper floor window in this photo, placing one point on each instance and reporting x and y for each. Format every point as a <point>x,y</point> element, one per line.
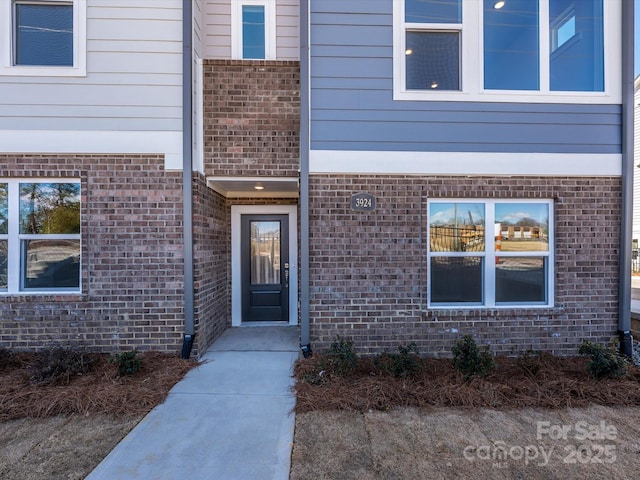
<point>521,50</point>
<point>39,236</point>
<point>253,29</point>
<point>44,37</point>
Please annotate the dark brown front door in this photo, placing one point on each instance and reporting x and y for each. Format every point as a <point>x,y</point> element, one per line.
<point>265,267</point>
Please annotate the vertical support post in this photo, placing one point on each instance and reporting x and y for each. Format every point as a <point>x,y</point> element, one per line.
<point>626,232</point>
<point>304,178</point>
<point>187,176</point>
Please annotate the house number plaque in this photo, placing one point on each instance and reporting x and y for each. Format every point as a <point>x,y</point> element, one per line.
<point>363,202</point>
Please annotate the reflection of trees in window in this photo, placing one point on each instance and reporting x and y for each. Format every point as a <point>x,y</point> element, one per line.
<point>49,208</point>
<point>4,208</point>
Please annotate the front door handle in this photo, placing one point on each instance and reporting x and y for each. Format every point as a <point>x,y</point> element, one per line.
<point>286,275</point>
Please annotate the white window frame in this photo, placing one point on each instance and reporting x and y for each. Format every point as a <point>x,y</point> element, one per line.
<point>7,48</point>
<point>269,28</point>
<point>14,239</point>
<point>472,53</point>
<point>489,255</point>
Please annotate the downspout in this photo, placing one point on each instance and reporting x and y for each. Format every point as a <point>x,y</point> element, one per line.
<point>187,177</point>
<point>624,306</point>
<point>305,344</point>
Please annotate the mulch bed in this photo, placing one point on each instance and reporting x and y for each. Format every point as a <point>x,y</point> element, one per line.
<point>555,382</point>
<point>99,390</point>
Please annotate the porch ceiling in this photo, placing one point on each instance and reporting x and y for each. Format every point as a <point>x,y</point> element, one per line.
<point>261,187</point>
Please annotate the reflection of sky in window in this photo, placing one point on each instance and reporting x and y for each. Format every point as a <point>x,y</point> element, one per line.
<point>514,212</point>
<point>267,227</point>
<point>445,213</point>
<point>253,32</point>
<point>566,31</point>
<point>45,191</point>
<point>433,11</point>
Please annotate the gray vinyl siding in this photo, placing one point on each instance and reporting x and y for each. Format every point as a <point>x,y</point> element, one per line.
<point>216,24</point>
<point>133,81</point>
<point>352,106</point>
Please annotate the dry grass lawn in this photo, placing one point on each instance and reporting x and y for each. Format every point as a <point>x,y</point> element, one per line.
<point>60,447</point>
<point>449,443</point>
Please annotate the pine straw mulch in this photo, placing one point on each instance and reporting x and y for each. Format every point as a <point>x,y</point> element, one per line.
<point>556,382</point>
<point>99,391</point>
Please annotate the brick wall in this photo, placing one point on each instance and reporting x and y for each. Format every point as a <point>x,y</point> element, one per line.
<point>132,259</point>
<point>251,117</point>
<point>368,269</point>
<point>212,264</point>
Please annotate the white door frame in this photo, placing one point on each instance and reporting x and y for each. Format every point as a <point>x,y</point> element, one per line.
<point>236,281</point>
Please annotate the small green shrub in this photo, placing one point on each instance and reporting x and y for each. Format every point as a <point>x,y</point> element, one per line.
<point>404,364</point>
<point>605,362</point>
<point>470,360</point>
<point>530,362</point>
<point>317,373</point>
<point>128,362</point>
<point>342,358</point>
<point>59,363</point>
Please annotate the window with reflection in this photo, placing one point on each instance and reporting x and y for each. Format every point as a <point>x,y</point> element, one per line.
<point>253,31</point>
<point>490,252</point>
<point>432,44</point>
<point>39,236</point>
<point>49,235</point>
<point>43,33</point>
<point>265,253</point>
<point>535,46</point>
<point>521,252</point>
<point>577,45</point>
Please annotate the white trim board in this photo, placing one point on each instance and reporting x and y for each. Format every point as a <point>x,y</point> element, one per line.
<point>464,163</point>
<point>95,142</point>
<point>236,284</point>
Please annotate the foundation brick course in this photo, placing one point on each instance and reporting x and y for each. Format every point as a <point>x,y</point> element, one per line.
<point>368,269</point>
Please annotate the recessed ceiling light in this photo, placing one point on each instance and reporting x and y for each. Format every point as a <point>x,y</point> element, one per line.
<point>408,51</point>
<point>258,187</point>
<point>434,84</point>
<point>498,5</point>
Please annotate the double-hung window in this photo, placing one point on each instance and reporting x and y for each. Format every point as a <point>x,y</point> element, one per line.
<point>253,29</point>
<point>44,37</point>
<point>490,253</point>
<point>507,50</point>
<point>39,236</point>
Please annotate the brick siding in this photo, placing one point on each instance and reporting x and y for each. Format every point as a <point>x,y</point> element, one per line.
<point>212,264</point>
<point>368,269</point>
<point>251,117</point>
<point>132,259</point>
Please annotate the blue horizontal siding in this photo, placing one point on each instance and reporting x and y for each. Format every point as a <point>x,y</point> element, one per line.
<point>352,106</point>
<point>355,7</point>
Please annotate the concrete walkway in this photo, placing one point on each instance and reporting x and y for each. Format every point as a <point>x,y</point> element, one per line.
<point>228,419</point>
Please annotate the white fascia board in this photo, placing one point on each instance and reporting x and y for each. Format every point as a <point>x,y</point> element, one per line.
<point>464,163</point>
<point>95,142</point>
